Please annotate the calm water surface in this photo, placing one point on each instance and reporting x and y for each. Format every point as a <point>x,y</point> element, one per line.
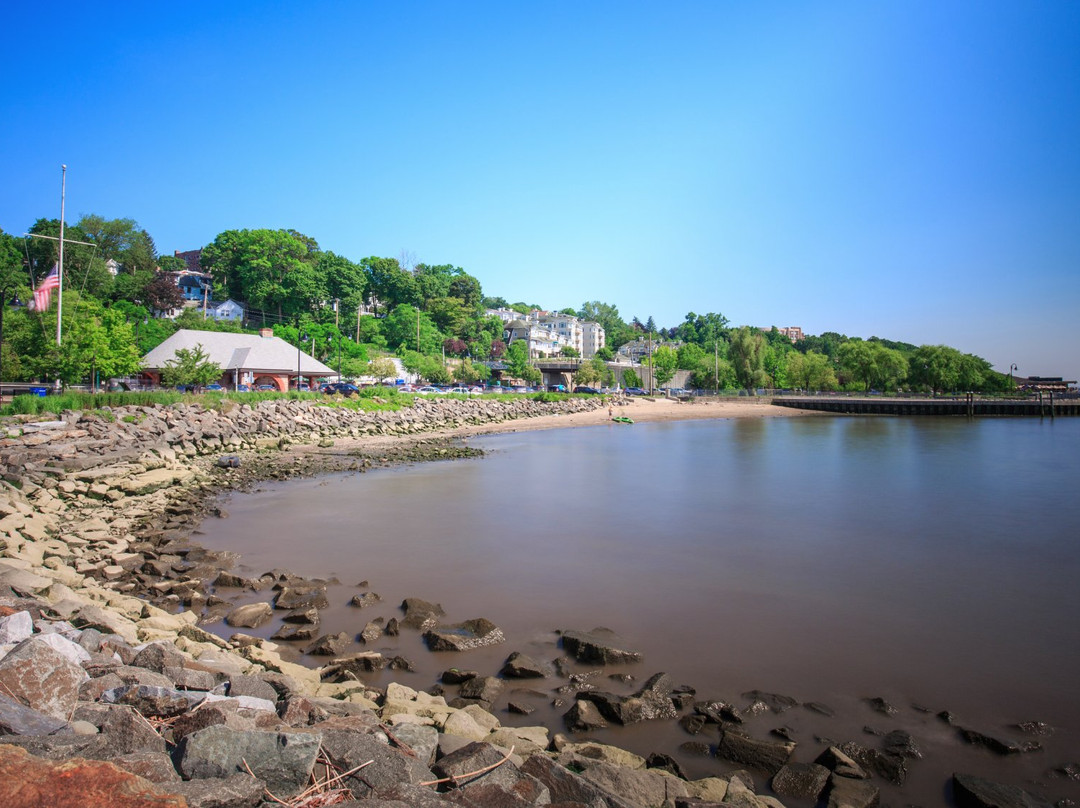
<point>931,562</point>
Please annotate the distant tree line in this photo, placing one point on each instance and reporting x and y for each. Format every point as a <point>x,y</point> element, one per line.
<point>426,314</point>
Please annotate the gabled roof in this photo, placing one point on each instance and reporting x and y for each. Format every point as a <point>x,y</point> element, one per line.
<point>238,352</point>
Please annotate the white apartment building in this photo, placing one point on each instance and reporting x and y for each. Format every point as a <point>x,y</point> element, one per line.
<point>584,337</point>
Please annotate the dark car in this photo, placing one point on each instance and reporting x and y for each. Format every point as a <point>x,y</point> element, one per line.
<point>634,391</point>
<point>344,388</point>
<point>556,388</point>
<point>583,389</point>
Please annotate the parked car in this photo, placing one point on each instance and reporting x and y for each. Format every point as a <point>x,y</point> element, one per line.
<point>215,387</point>
<point>428,389</point>
<point>343,388</point>
<point>462,390</point>
<point>634,391</point>
<point>243,388</point>
<point>406,388</point>
<point>556,388</point>
<point>267,388</point>
<point>583,389</point>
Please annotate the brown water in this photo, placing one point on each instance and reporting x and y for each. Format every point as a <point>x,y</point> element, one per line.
<point>930,562</point>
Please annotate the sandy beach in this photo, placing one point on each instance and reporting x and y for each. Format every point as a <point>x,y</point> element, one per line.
<point>645,410</point>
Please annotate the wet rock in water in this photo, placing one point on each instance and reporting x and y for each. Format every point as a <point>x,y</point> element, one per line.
<point>583,716</point>
<point>308,615</point>
<point>453,676</point>
<point>329,645</point>
<point>371,633</point>
<point>900,743</point>
<point>481,688</point>
<point>302,597</point>
<point>820,709</point>
<point>651,702</point>
<point>391,629</point>
<point>75,783</point>
<point>598,647</point>
<point>997,743</point>
<point>892,767</point>
<point>879,705</point>
<point>699,748</point>
<point>767,756</point>
<point>802,780</point>
<point>420,614</point>
<point>667,763</point>
<point>476,633</point>
<point>847,793</point>
<point>364,662</point>
<point>249,615</point>
<point>292,632</point>
<point>977,792</point>
<point>365,599</point>
<point>784,733</point>
<point>842,764</point>
<point>774,701</point>
<point>521,666</point>
<point>228,462</point>
<point>1035,728</point>
<point>719,712</point>
<point>400,663</point>
<point>693,723</point>
<point>520,708</point>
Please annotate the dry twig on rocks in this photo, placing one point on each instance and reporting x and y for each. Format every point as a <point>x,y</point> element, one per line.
<point>322,792</point>
<point>457,778</point>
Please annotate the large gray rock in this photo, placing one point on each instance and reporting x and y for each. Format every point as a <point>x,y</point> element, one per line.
<point>249,615</point>
<point>803,780</point>
<point>847,793</point>
<point>522,666</point>
<point>16,628</point>
<point>650,702</point>
<point>476,756</point>
<point>567,787</point>
<point>768,756</point>
<point>16,719</point>
<point>892,767</point>
<point>302,597</point>
<point>39,676</point>
<point>476,633</point>
<point>421,615</point>
<point>157,701</point>
<point>348,748</point>
<point>482,688</point>
<point>235,791</point>
<point>977,792</point>
<point>329,645</point>
<point>583,716</point>
<point>598,647</point>
<point>634,786</point>
<point>283,760</point>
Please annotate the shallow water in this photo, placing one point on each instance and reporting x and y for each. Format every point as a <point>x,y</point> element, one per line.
<point>929,561</point>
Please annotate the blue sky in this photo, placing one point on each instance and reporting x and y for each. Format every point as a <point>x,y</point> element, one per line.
<point>909,170</point>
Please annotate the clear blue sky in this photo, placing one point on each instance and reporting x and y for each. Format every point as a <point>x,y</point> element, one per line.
<point>907,169</point>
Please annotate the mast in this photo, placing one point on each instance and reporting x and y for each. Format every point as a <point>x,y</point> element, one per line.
<point>60,270</point>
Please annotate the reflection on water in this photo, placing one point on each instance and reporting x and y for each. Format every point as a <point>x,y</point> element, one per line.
<point>932,561</point>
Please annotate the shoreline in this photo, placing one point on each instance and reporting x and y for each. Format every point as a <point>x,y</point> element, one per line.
<point>173,511</point>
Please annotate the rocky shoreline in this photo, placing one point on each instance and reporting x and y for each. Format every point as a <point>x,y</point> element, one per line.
<point>112,694</point>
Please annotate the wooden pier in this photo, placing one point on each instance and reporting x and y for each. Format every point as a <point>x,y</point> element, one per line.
<point>970,406</point>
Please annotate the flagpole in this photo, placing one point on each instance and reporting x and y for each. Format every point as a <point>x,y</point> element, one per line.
<point>60,288</point>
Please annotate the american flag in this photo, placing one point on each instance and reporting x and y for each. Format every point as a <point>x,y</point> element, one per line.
<point>43,294</point>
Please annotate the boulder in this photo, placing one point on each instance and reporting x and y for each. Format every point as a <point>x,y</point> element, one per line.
<point>767,756</point>
<point>847,793</point>
<point>348,748</point>
<point>977,792</point>
<point>565,786</point>
<point>482,688</point>
<point>476,633</point>
<point>283,760</point>
<point>156,701</point>
<point>301,597</point>
<point>583,716</point>
<point>420,615</point>
<point>329,645</point>
<point>802,780</point>
<point>36,674</point>
<point>17,719</point>
<point>76,783</point>
<point>476,756</point>
<point>521,666</point>
<point>249,615</point>
<point>597,647</point>
<point>235,791</point>
<point>651,702</point>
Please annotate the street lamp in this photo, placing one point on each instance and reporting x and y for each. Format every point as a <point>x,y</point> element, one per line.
<point>15,304</point>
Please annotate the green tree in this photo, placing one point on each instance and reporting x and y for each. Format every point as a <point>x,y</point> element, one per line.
<point>570,351</point>
<point>272,270</point>
<point>406,327</point>
<point>630,378</point>
<point>382,369</point>
<point>389,284</point>
<point>616,331</point>
<point>190,367</point>
<point>747,355</point>
<point>811,371</point>
<point>872,364</point>
<point>664,361</point>
<point>469,372</point>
